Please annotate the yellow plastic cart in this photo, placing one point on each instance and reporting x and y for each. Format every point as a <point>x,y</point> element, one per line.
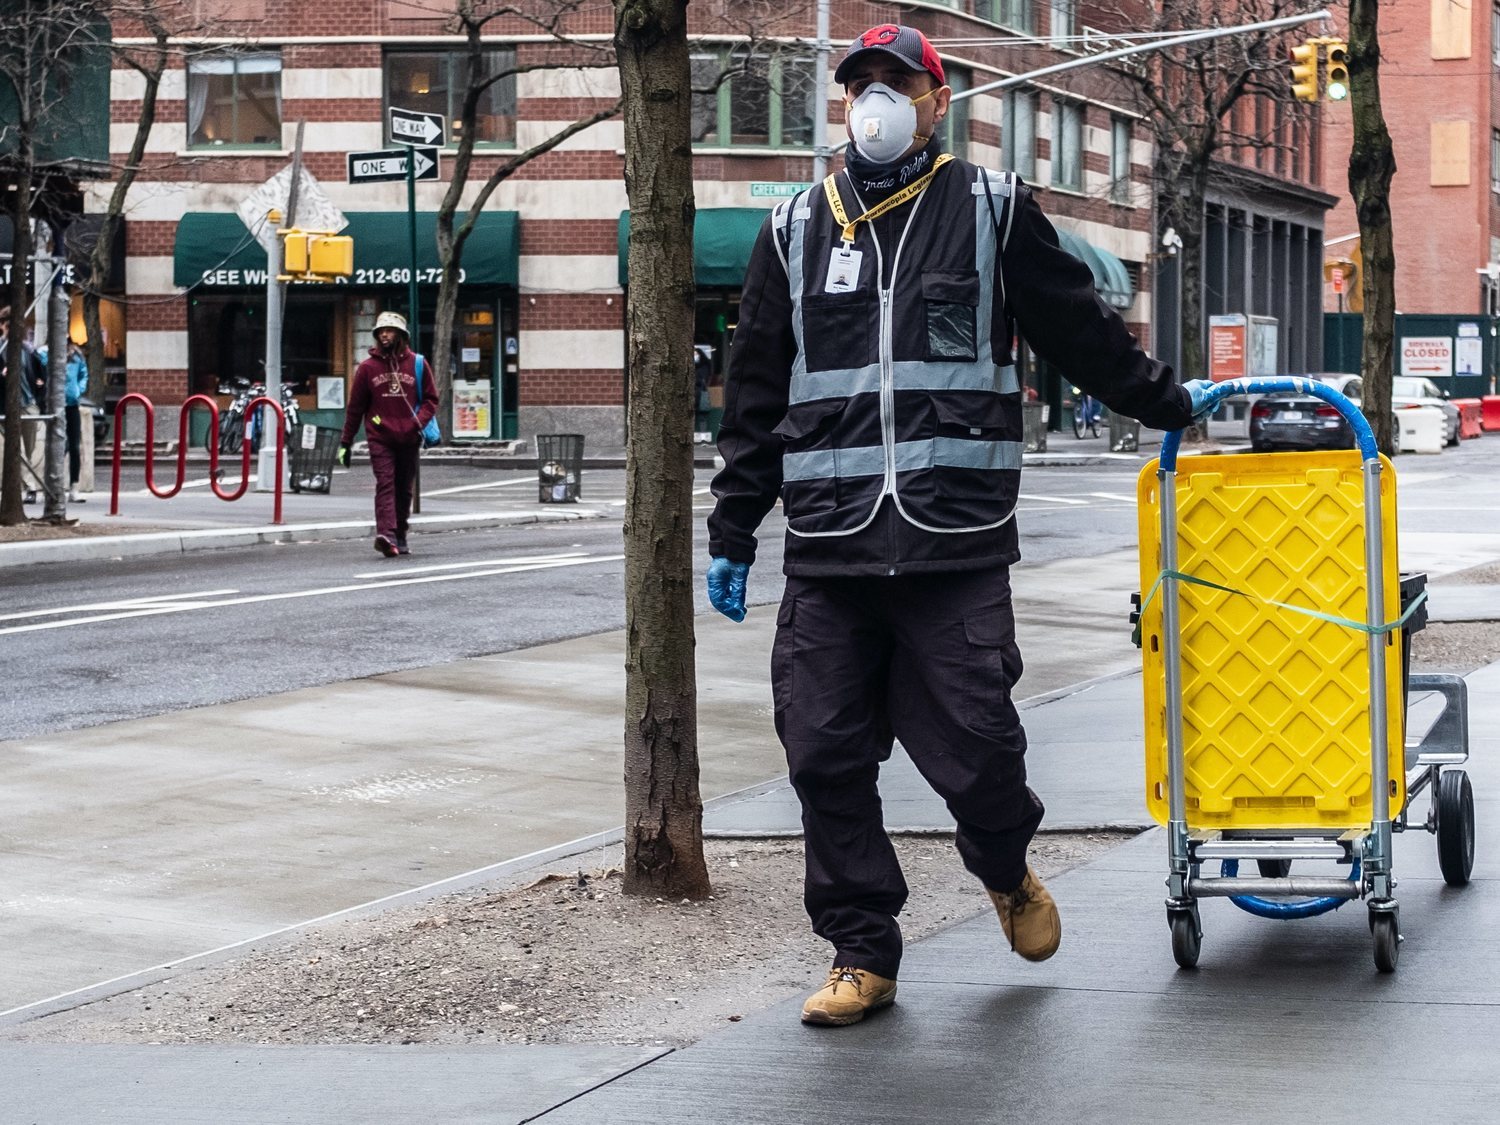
<point>1272,641</point>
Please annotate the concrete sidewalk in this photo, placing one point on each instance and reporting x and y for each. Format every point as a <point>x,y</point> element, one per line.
<point>1281,1021</point>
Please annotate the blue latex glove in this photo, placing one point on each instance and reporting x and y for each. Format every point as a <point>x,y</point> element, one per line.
<point>726,587</point>
<point>1198,389</point>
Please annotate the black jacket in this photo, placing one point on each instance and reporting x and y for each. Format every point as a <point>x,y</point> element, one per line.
<point>848,515</point>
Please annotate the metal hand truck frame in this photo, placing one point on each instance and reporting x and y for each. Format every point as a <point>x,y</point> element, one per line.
<point>1366,850</point>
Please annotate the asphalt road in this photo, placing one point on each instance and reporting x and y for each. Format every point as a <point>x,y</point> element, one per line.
<point>92,642</point>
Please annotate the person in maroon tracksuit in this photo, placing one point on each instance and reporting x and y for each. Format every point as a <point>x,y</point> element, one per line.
<point>384,398</point>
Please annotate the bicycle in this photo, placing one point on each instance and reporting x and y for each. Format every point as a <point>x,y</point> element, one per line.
<point>1088,413</point>
<point>232,421</point>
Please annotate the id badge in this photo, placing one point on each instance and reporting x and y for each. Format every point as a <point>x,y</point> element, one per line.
<point>843,270</point>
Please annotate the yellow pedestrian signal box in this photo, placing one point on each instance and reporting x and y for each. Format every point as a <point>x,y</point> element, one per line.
<point>294,252</point>
<point>315,255</point>
<point>1305,71</point>
<point>1337,83</point>
<point>331,255</point>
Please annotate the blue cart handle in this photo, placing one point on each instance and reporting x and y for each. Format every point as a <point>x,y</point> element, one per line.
<point>1364,437</point>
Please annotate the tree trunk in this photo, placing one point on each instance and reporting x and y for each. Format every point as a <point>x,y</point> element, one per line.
<point>1372,163</point>
<point>1183,212</point>
<point>100,253</point>
<point>11,510</point>
<point>663,808</point>
<point>55,506</point>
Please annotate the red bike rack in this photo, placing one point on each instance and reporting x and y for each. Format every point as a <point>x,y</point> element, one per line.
<point>182,448</point>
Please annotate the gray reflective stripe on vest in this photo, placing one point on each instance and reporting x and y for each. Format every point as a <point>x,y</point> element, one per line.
<point>980,374</point>
<point>907,375</point>
<point>869,460</point>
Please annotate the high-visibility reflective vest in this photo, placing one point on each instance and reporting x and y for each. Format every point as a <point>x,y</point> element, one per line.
<point>901,390</point>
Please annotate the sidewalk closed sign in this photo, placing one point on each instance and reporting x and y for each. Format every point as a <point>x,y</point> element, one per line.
<point>1427,355</point>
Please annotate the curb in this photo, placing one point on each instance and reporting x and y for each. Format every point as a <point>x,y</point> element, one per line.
<point>209,539</point>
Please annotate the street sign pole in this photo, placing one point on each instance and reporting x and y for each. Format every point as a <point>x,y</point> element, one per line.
<point>411,226</point>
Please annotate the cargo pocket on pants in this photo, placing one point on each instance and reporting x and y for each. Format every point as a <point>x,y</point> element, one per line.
<point>781,654</point>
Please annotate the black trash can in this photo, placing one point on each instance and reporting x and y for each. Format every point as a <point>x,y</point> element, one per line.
<point>559,467</point>
<point>312,450</point>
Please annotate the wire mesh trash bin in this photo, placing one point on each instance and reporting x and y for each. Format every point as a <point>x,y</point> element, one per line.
<point>1034,423</point>
<point>1124,434</point>
<point>313,450</point>
<point>559,467</point>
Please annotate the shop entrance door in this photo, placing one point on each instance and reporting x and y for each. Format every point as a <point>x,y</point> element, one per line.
<point>475,399</point>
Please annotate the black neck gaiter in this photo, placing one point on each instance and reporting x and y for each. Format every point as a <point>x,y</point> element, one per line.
<point>876,181</point>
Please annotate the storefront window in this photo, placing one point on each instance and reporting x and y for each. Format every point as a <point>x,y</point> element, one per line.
<point>234,99</point>
<point>1067,144</point>
<point>436,81</point>
<point>766,102</point>
<point>954,130</point>
<point>1018,133</point>
<point>227,342</point>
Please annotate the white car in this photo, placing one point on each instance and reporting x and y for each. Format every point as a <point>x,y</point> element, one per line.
<point>1411,391</point>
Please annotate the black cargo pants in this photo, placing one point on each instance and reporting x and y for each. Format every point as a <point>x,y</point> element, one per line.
<point>930,659</point>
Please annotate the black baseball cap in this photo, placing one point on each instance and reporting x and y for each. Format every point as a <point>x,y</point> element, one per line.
<point>905,43</point>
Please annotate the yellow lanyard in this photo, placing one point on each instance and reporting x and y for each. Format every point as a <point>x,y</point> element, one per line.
<point>910,191</point>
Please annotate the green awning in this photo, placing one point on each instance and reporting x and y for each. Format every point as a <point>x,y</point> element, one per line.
<point>1110,276</point>
<point>722,240</point>
<point>215,249</point>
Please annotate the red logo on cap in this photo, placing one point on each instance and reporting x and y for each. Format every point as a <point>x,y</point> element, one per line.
<point>881,36</point>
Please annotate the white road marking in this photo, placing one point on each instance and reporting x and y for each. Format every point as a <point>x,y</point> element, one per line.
<point>470,565</point>
<point>477,487</point>
<point>255,599</point>
<point>124,603</point>
<point>1114,496</point>
<point>1051,499</point>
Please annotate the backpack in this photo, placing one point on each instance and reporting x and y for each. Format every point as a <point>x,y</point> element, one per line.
<point>431,435</point>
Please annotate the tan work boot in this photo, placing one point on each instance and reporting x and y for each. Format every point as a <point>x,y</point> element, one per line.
<point>847,996</point>
<point>1028,915</point>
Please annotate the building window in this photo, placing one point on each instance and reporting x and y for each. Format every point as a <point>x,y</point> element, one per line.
<point>767,101</point>
<point>436,82</point>
<point>1063,18</point>
<point>227,337</point>
<point>1067,144</point>
<point>1018,133</point>
<point>954,131</point>
<point>1119,160</point>
<point>1018,15</point>
<point>234,99</point>
<point>1495,35</point>
<point>1495,161</point>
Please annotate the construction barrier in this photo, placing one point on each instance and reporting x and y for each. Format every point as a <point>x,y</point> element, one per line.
<point>1470,417</point>
<point>1490,408</point>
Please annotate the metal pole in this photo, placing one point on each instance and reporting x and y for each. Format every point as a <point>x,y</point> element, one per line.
<point>821,151</point>
<point>1379,858</point>
<point>55,470</point>
<point>413,333</point>
<point>265,466</point>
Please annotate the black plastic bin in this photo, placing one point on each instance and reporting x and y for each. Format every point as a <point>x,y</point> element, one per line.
<point>313,449</point>
<point>559,467</point>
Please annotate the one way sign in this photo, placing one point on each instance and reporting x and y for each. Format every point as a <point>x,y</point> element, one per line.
<point>416,127</point>
<point>390,164</point>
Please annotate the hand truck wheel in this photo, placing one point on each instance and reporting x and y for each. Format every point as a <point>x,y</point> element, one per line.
<point>1187,937</point>
<point>1455,827</point>
<point>1385,928</point>
<point>1274,868</point>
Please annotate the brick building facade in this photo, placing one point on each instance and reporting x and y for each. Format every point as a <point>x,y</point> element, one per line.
<point>539,344</point>
<point>1440,93</point>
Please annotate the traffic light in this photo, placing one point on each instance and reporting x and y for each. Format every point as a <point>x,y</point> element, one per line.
<point>294,252</point>
<point>314,255</point>
<point>1305,71</point>
<point>330,256</point>
<point>1337,85</point>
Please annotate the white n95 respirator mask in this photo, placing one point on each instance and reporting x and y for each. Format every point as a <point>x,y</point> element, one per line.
<point>883,123</point>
